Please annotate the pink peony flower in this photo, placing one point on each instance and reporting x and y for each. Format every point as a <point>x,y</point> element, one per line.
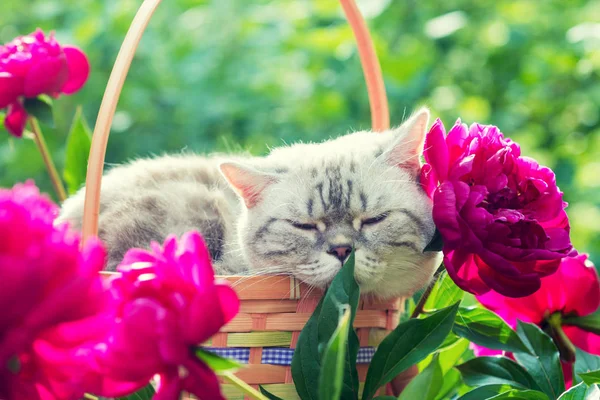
<point>33,65</point>
<point>573,290</point>
<point>501,215</point>
<point>49,290</point>
<point>167,303</point>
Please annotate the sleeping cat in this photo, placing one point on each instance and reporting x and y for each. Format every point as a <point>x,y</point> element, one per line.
<point>300,210</point>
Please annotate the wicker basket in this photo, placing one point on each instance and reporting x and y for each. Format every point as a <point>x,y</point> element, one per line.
<point>273,309</point>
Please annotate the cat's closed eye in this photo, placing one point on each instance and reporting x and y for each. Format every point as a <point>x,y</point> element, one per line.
<point>374,220</point>
<point>303,226</point>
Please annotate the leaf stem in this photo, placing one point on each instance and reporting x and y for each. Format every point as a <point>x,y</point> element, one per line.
<point>421,304</point>
<point>243,386</point>
<point>562,341</point>
<point>38,137</point>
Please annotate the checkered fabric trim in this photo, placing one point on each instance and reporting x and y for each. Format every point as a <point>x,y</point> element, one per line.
<point>279,356</point>
<point>240,354</point>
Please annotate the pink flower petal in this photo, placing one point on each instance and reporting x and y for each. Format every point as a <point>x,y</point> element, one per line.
<point>202,382</point>
<point>436,152</point>
<point>46,76</point>
<point>16,119</point>
<point>230,303</point>
<point>11,87</point>
<point>79,69</point>
<point>586,341</point>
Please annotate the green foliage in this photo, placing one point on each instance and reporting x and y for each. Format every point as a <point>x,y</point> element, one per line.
<point>307,361</point>
<point>407,344</point>
<point>590,323</point>
<point>484,371</point>
<point>40,108</point>
<point>444,293</point>
<point>427,384</point>
<point>485,392</point>
<point>580,392</point>
<point>269,395</point>
<point>590,378</point>
<point>77,152</point>
<point>217,363</point>
<point>486,329</point>
<point>584,362</point>
<point>520,395</point>
<point>145,393</point>
<point>332,373</point>
<point>542,361</point>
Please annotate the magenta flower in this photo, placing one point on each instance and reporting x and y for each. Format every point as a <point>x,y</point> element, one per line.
<point>501,215</point>
<point>167,303</point>
<point>572,291</point>
<point>33,65</point>
<point>49,290</point>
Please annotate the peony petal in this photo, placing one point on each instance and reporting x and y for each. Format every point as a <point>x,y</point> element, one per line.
<point>428,180</point>
<point>578,279</point>
<point>202,381</point>
<point>230,303</point>
<point>16,119</point>
<point>11,87</point>
<point>445,213</point>
<point>46,76</point>
<point>436,152</point>
<point>168,389</point>
<point>204,317</point>
<point>586,341</point>
<point>79,69</point>
<point>463,271</point>
<point>511,286</point>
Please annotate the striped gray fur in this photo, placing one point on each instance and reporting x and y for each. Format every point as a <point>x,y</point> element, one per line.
<point>285,212</point>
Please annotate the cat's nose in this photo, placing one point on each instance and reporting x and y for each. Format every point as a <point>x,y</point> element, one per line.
<point>340,252</point>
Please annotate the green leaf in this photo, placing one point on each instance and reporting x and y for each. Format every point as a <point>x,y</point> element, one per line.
<point>449,355</point>
<point>217,363</point>
<point>444,293</point>
<point>269,395</point>
<point>542,361</point>
<point>482,371</point>
<point>436,243</point>
<point>485,392</point>
<point>426,385</point>
<point>406,345</point>
<point>385,398</point>
<point>590,378</point>
<point>41,108</point>
<point>520,395</point>
<point>584,362</point>
<point>590,323</point>
<point>578,392</point>
<point>145,393</point>
<point>450,341</point>
<point>486,329</point>
<point>77,153</point>
<point>332,372</point>
<point>450,382</point>
<point>313,339</point>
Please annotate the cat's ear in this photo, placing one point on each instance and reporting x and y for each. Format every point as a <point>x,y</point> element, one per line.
<point>408,140</point>
<point>248,182</point>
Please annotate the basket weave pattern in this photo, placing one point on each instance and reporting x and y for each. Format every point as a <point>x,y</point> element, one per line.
<point>273,312</point>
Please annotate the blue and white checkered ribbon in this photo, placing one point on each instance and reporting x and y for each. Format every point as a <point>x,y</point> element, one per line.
<point>278,355</point>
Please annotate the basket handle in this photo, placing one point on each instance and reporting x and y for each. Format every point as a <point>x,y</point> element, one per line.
<point>368,58</point>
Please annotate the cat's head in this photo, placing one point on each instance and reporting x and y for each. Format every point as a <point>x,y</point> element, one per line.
<point>307,205</point>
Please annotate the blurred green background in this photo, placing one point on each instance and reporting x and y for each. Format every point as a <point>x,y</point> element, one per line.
<point>223,74</point>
